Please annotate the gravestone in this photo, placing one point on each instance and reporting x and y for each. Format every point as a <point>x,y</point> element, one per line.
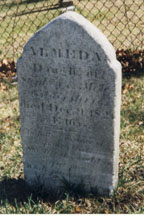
<point>69,84</point>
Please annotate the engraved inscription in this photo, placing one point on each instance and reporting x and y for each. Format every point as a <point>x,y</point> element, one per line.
<point>33,51</point>
<point>66,53</point>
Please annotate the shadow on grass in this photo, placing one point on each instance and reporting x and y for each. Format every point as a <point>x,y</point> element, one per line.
<point>131,61</point>
<point>11,189</point>
<point>135,116</point>
<point>136,74</point>
<point>17,189</point>
<point>126,76</point>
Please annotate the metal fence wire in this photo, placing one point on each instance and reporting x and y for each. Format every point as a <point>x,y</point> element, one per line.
<point>122,21</point>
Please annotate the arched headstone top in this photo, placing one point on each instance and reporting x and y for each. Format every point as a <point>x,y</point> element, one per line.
<point>74,26</point>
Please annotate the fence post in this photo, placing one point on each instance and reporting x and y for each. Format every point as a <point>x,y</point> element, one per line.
<point>13,28</point>
<point>60,2</point>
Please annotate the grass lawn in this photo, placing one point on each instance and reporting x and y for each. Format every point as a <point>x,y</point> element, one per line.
<point>121,21</point>
<point>15,197</point>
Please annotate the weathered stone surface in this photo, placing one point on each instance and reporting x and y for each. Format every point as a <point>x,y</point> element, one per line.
<point>69,84</point>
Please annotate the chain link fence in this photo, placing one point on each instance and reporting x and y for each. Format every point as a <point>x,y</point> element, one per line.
<point>122,21</point>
